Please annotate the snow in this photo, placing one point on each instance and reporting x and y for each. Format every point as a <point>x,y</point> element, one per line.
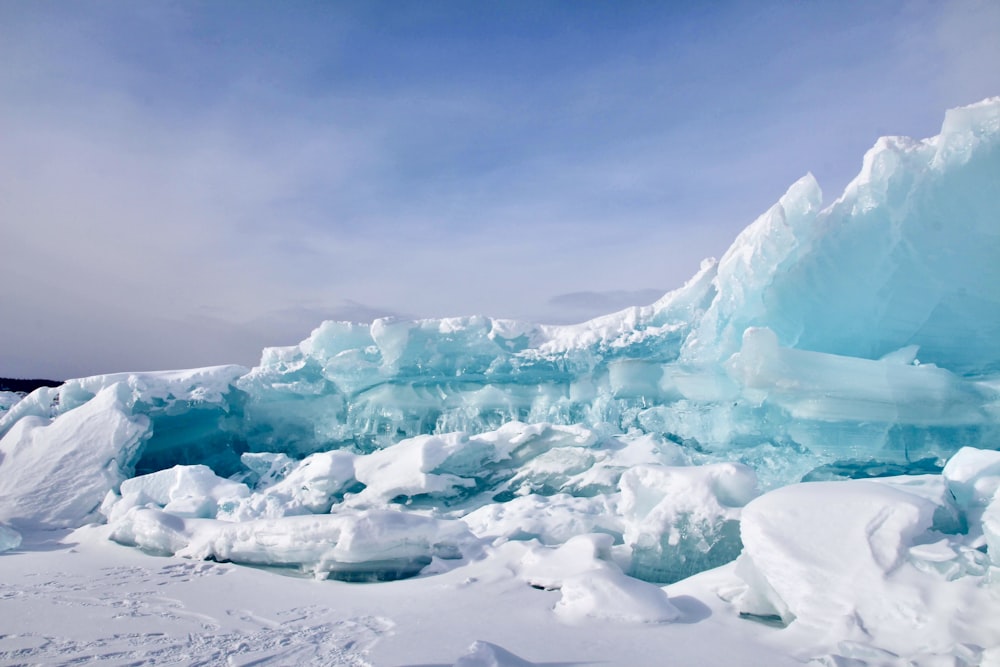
<point>58,471</point>
<point>859,568</point>
<point>75,596</point>
<point>788,460</point>
<point>592,585</point>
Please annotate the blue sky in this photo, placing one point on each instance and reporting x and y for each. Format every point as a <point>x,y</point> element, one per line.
<point>183,183</point>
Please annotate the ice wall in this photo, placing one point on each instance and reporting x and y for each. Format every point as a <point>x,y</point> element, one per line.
<point>853,340</point>
<point>869,329</point>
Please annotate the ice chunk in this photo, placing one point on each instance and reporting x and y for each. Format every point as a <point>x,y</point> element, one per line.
<point>827,387</point>
<point>57,472</point>
<point>366,546</point>
<point>547,568</point>
<point>9,538</point>
<point>407,469</point>
<point>682,520</point>
<point>549,519</point>
<point>592,585</point>
<point>8,399</point>
<point>758,256</point>
<point>973,476</point>
<point>949,559</point>
<point>991,529</point>
<point>907,256</point>
<point>949,517</point>
<point>190,491</point>
<point>267,468</point>
<point>150,529</point>
<point>310,485</point>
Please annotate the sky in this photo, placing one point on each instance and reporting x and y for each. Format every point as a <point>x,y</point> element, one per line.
<point>185,183</point>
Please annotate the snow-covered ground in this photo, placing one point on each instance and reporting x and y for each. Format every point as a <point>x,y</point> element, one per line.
<point>73,597</point>
<point>890,572</point>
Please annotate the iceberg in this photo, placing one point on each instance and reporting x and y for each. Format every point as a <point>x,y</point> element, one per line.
<point>847,341</point>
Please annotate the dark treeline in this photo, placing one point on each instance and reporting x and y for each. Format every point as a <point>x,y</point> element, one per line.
<point>25,385</point>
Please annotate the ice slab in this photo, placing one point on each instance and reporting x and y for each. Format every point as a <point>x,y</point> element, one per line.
<point>372,545</point>
<point>9,538</point>
<point>682,520</point>
<point>193,491</point>
<point>56,472</point>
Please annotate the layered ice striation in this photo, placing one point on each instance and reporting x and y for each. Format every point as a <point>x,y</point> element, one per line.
<point>854,340</point>
<point>869,329</point>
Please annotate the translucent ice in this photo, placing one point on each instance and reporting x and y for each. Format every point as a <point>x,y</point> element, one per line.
<point>9,538</point>
<point>667,521</point>
<point>8,399</point>
<point>679,521</point>
<point>868,328</point>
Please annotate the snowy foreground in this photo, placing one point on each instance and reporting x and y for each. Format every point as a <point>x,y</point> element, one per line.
<point>789,460</point>
<point>83,598</point>
<point>861,573</point>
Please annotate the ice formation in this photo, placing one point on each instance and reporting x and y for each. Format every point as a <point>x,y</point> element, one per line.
<point>9,538</point>
<point>889,570</point>
<point>8,399</point>
<point>835,346</point>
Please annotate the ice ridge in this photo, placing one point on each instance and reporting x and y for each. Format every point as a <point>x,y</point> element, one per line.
<point>857,339</point>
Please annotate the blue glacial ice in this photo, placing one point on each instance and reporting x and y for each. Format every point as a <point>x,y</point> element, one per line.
<point>854,340</point>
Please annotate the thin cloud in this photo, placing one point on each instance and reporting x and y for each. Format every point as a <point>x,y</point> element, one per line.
<point>182,186</point>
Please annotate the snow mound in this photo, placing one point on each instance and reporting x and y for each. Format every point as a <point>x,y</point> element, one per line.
<point>485,654</point>
<point>870,570</point>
